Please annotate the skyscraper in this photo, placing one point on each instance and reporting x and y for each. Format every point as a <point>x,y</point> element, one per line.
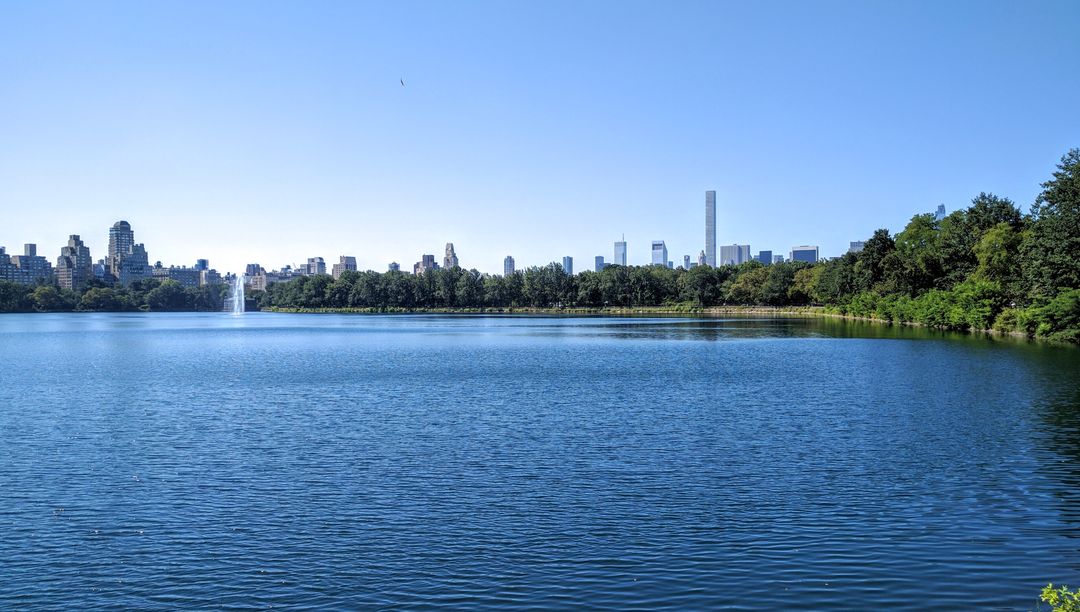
<point>74,266</point>
<point>659,253</point>
<point>939,214</point>
<point>450,260</point>
<point>568,265</point>
<point>808,254</point>
<point>426,263</point>
<point>701,259</point>
<point>856,246</point>
<point>686,262</point>
<point>394,267</point>
<point>734,254</point>
<point>121,241</point>
<point>508,266</point>
<point>620,252</point>
<point>316,265</point>
<point>765,257</point>
<point>345,263</point>
<point>710,228</point>
<point>598,263</point>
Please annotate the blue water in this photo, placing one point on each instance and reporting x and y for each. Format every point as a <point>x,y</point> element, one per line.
<point>305,461</point>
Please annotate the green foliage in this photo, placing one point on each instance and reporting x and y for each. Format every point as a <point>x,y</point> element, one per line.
<point>1049,253</point>
<point>984,267</point>
<point>1062,599</point>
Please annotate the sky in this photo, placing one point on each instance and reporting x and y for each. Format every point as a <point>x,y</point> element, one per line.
<point>269,132</point>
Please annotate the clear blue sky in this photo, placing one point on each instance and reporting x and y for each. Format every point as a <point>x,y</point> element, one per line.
<point>270,132</point>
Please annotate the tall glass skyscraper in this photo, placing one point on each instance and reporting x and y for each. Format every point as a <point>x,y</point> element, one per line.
<point>620,253</point>
<point>568,265</point>
<point>508,266</point>
<point>710,228</point>
<point>659,253</point>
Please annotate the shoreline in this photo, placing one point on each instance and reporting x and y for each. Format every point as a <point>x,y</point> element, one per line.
<point>799,311</point>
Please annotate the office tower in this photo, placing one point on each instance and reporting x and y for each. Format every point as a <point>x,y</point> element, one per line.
<point>33,268</point>
<point>765,257</point>
<point>508,266</point>
<point>808,254</point>
<point>253,270</point>
<point>659,253</point>
<point>345,263</point>
<point>939,214</point>
<point>74,266</point>
<point>670,265</point>
<point>620,253</point>
<point>202,264</point>
<point>702,259</point>
<point>598,263</point>
<point>856,246</point>
<point>394,267</point>
<point>686,262</point>
<point>777,259</point>
<point>568,265</point>
<point>734,254</point>
<point>450,260</point>
<point>710,228</point>
<point>315,265</point>
<point>426,263</point>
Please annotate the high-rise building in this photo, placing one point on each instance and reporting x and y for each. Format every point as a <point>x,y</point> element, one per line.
<point>74,267</point>
<point>345,263</point>
<point>426,264</point>
<point>508,266</point>
<point>33,268</point>
<point>450,260</point>
<point>939,214</point>
<point>568,265</point>
<point>734,254</point>
<point>121,241</point>
<point>598,263</point>
<point>659,253</point>
<point>202,264</point>
<point>135,266</point>
<point>620,252</point>
<point>8,271</point>
<point>808,254</point>
<point>702,259</point>
<point>710,228</point>
<point>394,267</point>
<point>777,259</point>
<point>686,262</point>
<point>856,246</point>
<point>765,257</point>
<point>316,265</point>
<point>126,262</point>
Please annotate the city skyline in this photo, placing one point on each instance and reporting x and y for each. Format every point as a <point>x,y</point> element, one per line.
<point>270,133</point>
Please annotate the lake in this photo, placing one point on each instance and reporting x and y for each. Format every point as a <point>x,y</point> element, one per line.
<point>272,460</point>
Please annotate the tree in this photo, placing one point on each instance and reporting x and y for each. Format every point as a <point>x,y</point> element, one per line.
<point>998,254</point>
<point>1049,254</point>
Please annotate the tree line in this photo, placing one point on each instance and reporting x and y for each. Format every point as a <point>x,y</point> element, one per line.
<point>98,296</point>
<point>988,266</point>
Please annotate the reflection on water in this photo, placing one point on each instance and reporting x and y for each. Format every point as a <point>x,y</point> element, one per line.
<point>204,460</point>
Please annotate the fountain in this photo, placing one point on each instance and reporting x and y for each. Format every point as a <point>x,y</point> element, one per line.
<point>237,297</point>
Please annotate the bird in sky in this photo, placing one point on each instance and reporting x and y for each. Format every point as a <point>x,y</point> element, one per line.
<point>403,82</point>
